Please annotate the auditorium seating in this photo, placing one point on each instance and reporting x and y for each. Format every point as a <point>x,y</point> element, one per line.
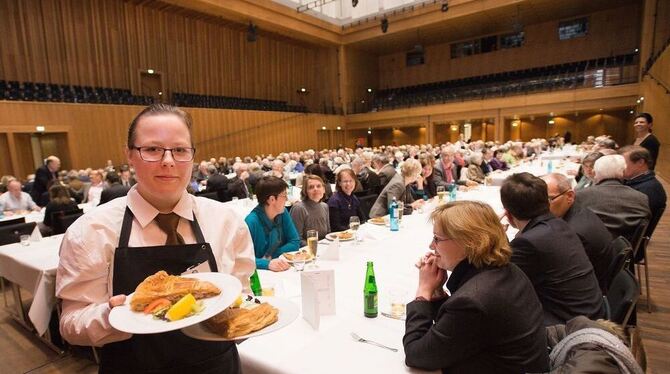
<point>225,102</point>
<point>539,79</point>
<point>36,91</point>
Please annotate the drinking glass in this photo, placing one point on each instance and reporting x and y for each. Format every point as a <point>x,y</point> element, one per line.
<point>401,209</point>
<point>313,244</point>
<point>25,239</point>
<point>354,224</point>
<point>397,299</point>
<point>441,194</point>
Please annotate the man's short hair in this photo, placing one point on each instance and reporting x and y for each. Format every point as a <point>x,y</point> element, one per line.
<point>591,158</point>
<point>524,196</point>
<point>269,186</point>
<point>637,153</point>
<point>607,144</point>
<point>561,181</point>
<point>609,167</point>
<point>112,177</point>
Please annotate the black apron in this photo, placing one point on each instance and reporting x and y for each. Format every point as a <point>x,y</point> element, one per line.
<point>171,351</point>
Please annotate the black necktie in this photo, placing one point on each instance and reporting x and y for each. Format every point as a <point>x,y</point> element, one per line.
<point>168,223</point>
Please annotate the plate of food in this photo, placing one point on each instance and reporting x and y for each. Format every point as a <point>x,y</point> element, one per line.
<point>380,221</point>
<point>165,302</point>
<point>248,317</point>
<point>342,235</point>
<point>303,255</point>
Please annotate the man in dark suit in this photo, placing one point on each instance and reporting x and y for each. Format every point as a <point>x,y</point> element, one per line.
<point>591,231</point>
<point>43,175</point>
<point>620,207</point>
<point>114,188</point>
<point>368,179</point>
<point>126,177</point>
<point>385,170</point>
<point>238,186</point>
<point>549,252</point>
<point>639,176</point>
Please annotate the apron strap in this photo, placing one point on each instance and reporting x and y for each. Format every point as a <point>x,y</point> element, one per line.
<point>199,237</point>
<point>125,228</point>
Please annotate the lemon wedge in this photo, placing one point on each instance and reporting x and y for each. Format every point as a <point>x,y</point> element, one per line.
<point>181,308</point>
<point>237,302</point>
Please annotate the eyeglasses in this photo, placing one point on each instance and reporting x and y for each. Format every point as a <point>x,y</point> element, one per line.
<point>283,194</point>
<point>437,240</point>
<point>551,199</point>
<point>155,154</point>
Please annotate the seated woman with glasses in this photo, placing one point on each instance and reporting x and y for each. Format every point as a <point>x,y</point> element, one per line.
<point>272,229</point>
<point>311,213</point>
<point>343,204</point>
<point>492,322</point>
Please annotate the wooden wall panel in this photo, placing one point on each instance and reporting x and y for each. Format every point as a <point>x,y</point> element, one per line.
<point>97,133</point>
<point>362,72</point>
<point>611,32</point>
<point>5,162</point>
<point>106,43</point>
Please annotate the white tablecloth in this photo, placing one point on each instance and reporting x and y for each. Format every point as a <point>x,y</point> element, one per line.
<point>33,268</point>
<point>297,348</point>
<point>537,168</point>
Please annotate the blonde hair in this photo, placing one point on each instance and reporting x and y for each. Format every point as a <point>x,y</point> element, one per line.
<point>476,227</point>
<point>410,167</point>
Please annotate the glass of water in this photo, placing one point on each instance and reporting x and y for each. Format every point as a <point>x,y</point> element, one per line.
<point>354,224</point>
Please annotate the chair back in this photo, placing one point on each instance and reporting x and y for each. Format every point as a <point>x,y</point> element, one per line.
<point>13,221</point>
<point>12,233</point>
<point>621,252</point>
<point>61,220</point>
<point>224,195</point>
<point>622,297</point>
<point>637,239</point>
<point>366,204</point>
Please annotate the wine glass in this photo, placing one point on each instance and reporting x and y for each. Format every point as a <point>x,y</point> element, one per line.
<point>354,224</point>
<point>441,194</point>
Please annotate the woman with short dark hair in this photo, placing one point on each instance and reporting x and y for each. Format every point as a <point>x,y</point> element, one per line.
<point>272,229</point>
<point>59,201</point>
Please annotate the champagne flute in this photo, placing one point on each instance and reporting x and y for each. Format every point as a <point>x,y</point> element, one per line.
<point>313,244</point>
<point>354,224</point>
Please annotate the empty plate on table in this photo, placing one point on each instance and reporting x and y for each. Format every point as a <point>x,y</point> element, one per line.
<point>342,235</point>
<point>124,319</point>
<point>288,312</point>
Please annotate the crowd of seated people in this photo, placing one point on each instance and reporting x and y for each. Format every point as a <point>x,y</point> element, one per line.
<point>556,265</point>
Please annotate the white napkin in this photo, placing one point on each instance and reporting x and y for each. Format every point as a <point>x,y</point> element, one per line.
<point>332,251</point>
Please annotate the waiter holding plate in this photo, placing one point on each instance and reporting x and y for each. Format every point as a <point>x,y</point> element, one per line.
<point>158,226</point>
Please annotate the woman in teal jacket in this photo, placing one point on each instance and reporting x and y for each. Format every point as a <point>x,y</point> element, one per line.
<point>270,224</point>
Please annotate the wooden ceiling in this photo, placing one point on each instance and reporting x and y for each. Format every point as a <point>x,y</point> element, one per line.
<point>425,25</point>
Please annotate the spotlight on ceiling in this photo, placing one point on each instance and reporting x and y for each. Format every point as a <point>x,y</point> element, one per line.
<point>445,6</point>
<point>251,33</point>
<point>354,3</point>
<point>385,25</point>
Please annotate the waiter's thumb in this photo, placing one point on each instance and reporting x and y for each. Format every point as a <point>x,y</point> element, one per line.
<point>116,300</point>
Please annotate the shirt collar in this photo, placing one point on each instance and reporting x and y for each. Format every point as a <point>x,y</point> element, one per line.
<point>144,212</point>
<point>461,274</point>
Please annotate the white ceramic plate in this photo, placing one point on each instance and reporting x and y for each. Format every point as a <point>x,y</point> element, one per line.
<point>288,312</point>
<point>294,252</point>
<point>380,221</point>
<point>124,319</point>
<point>333,236</point>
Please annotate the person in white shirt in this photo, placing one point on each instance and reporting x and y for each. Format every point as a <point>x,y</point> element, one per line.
<point>110,250</point>
<point>16,200</point>
<point>95,189</point>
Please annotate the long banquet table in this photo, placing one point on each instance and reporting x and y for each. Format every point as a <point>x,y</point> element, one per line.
<point>297,348</point>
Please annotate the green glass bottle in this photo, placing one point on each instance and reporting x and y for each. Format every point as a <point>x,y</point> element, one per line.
<point>256,284</point>
<point>370,308</point>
